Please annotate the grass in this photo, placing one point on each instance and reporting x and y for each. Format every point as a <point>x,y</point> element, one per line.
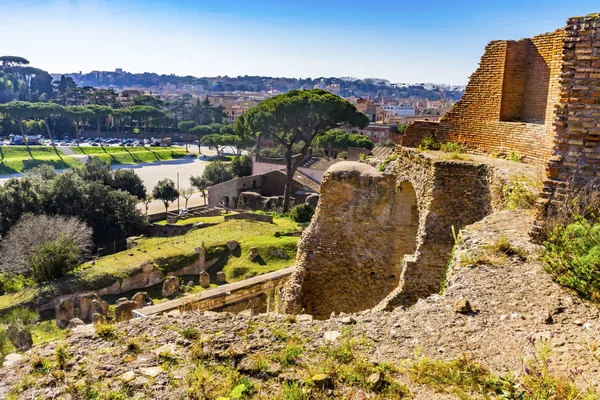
<point>174,253</point>
<point>130,155</point>
<point>572,256</point>
<point>14,159</point>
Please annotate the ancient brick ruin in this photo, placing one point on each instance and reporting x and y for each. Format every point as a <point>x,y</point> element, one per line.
<point>385,239</point>
<point>538,97</point>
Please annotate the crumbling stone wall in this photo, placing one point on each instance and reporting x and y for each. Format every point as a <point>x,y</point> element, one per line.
<point>509,102</point>
<point>375,232</point>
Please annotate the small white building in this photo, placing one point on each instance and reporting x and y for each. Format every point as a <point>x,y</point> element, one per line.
<point>399,109</point>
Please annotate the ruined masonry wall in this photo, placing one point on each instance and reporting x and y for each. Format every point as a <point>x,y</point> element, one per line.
<point>377,235</point>
<point>576,157</point>
<point>509,102</point>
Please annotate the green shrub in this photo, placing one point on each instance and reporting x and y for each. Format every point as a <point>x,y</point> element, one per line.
<point>54,259</point>
<point>429,143</point>
<point>342,155</point>
<point>62,355</point>
<point>451,147</point>
<point>241,165</point>
<point>14,283</point>
<point>106,331</point>
<point>520,192</point>
<point>288,355</point>
<point>514,156</point>
<point>302,213</point>
<point>572,255</point>
<point>20,316</point>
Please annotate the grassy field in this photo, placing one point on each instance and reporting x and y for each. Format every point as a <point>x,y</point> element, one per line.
<point>130,155</point>
<point>176,252</point>
<point>15,159</point>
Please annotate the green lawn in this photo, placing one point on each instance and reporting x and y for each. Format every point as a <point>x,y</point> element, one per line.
<point>131,155</point>
<point>174,253</point>
<point>15,159</point>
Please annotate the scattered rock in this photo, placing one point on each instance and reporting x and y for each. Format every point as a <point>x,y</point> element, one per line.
<point>332,336</point>
<point>322,381</point>
<point>232,245</point>
<point>12,359</point>
<point>249,366</point>
<point>127,377</point>
<point>75,322</point>
<point>174,314</point>
<point>376,381</point>
<point>151,372</point>
<point>253,253</point>
<point>20,337</point>
<point>204,280</point>
<point>578,322</point>
<point>171,286</point>
<point>141,300</point>
<point>98,319</point>
<point>462,306</point>
<point>82,306</point>
<point>548,319</point>
<point>221,279</point>
<point>348,320</point>
<point>306,318</point>
<point>123,310</point>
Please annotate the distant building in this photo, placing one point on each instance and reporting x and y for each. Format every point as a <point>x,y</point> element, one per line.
<point>376,132</point>
<point>399,109</point>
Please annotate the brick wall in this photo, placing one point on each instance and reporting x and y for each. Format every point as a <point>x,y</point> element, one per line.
<point>576,157</point>
<point>509,102</point>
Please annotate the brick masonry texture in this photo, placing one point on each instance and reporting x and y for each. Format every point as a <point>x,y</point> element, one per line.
<point>538,97</point>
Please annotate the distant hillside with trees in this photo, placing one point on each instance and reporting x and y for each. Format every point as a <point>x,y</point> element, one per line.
<point>348,87</point>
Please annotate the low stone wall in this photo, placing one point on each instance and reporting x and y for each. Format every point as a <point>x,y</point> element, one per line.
<point>231,297</point>
<point>250,216</point>
<point>149,275</point>
<point>168,230</point>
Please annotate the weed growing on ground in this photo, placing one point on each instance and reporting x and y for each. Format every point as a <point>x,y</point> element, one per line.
<point>516,157</point>
<point>429,143</point>
<point>62,355</point>
<point>106,331</point>
<point>572,255</point>
<point>520,192</point>
<point>288,355</point>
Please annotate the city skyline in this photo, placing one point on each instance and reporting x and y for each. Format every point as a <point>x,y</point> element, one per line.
<point>443,42</point>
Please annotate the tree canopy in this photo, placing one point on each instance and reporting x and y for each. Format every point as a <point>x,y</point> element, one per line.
<point>298,116</point>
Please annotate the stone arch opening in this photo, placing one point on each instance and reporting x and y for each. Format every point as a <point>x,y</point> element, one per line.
<point>403,231</point>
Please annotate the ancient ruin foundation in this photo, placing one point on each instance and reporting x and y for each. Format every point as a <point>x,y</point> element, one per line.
<point>536,98</point>
<point>375,231</point>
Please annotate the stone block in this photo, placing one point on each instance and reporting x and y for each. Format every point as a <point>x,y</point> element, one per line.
<point>171,286</point>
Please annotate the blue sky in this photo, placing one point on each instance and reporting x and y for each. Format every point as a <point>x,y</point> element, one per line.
<point>403,41</point>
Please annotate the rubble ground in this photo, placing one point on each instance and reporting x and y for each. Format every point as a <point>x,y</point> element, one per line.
<point>499,317</point>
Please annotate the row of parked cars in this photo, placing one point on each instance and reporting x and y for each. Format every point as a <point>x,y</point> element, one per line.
<point>36,140</point>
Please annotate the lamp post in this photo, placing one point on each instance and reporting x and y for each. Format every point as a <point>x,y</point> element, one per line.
<point>178,191</point>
